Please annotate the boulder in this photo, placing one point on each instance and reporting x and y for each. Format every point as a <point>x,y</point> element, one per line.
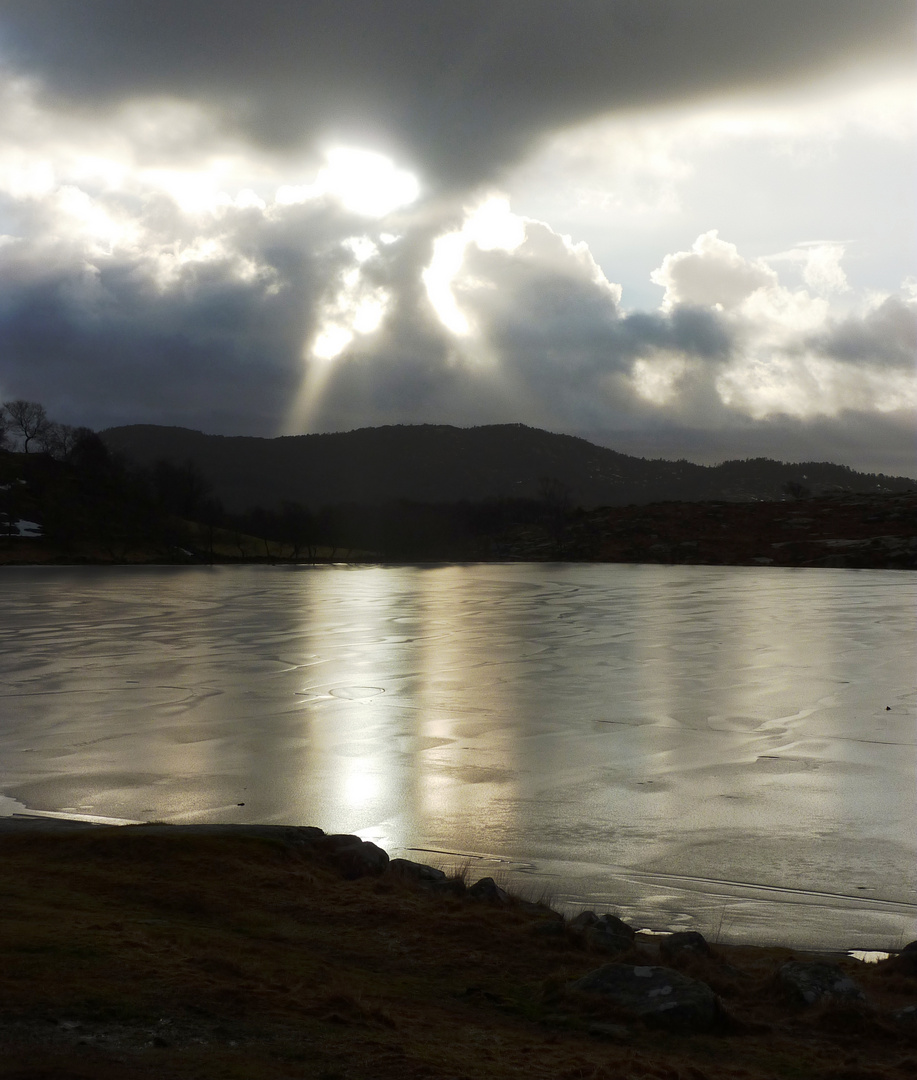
<point>605,932</point>
<point>611,924</point>
<point>659,996</point>
<point>487,889</point>
<point>812,981</point>
<point>584,921</point>
<point>354,857</point>
<point>685,941</point>
<point>608,940</point>
<point>415,871</point>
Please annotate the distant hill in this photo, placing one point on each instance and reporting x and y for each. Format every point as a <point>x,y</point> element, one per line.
<point>430,463</point>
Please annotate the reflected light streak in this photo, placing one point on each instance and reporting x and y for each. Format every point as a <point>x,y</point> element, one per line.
<point>361,784</point>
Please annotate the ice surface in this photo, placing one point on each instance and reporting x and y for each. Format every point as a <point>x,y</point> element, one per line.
<point>728,749</point>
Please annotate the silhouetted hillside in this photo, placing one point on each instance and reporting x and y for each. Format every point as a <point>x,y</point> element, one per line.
<point>442,464</point>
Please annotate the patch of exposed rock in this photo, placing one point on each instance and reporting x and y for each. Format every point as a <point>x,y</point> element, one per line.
<point>658,995</point>
<point>810,982</point>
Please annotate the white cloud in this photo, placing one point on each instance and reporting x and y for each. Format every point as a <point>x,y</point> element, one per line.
<point>354,307</point>
<point>490,226</point>
<point>832,159</point>
<point>790,356</point>
<point>711,274</point>
<point>820,263</point>
<point>460,277</point>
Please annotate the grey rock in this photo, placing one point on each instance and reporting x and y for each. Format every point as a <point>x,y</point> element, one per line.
<point>605,932</point>
<point>415,871</point>
<point>611,924</point>
<point>487,889</point>
<point>354,857</point>
<point>685,941</point>
<point>659,996</point>
<point>811,982</point>
<point>584,921</point>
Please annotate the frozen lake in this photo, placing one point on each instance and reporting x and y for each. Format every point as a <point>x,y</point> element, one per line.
<point>727,749</point>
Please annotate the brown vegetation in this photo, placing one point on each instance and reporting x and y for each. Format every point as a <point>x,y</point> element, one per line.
<point>138,956</point>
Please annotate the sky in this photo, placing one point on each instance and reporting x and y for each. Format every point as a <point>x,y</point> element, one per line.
<point>679,228</point>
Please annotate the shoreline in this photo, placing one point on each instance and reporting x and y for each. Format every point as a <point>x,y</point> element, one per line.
<point>846,531</point>
<point>271,952</point>
<point>37,822</point>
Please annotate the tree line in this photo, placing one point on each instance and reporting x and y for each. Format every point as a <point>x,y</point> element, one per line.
<point>91,502</point>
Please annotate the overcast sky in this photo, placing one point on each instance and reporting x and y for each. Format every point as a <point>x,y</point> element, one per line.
<point>683,228</point>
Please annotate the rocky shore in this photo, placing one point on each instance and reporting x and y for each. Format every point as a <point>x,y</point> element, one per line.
<point>280,952</point>
<point>842,530</point>
<point>846,531</point>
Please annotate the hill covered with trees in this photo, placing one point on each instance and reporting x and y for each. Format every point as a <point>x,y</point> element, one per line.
<point>151,494</point>
<point>430,463</point>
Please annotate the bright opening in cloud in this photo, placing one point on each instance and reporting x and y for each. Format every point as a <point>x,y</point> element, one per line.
<point>368,183</point>
<point>657,381</point>
<point>331,342</point>
<point>364,182</point>
<point>448,256</point>
<point>491,226</point>
<point>358,307</point>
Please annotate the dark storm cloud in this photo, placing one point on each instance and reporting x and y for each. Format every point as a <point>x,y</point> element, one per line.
<point>548,346</point>
<point>218,342</point>
<point>211,343</point>
<point>459,88</point>
<point>886,336</point>
<point>686,329</point>
<point>125,300</point>
<point>203,363</point>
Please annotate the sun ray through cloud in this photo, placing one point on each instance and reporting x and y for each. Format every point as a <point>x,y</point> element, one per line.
<point>634,247</point>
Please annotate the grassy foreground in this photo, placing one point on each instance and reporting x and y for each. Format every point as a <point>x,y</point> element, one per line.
<point>131,955</point>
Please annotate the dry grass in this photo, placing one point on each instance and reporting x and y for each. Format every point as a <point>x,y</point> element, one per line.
<point>124,955</point>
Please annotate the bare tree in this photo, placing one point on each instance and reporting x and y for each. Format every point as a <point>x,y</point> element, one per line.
<point>58,440</point>
<point>28,419</point>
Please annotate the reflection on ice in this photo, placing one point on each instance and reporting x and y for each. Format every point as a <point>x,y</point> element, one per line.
<point>726,748</point>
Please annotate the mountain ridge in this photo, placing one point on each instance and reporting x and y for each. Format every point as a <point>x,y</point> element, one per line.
<point>440,463</point>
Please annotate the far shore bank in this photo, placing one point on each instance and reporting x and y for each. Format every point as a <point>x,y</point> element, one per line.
<point>846,531</point>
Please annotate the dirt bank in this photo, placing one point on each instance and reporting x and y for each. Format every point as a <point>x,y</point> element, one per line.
<point>157,952</point>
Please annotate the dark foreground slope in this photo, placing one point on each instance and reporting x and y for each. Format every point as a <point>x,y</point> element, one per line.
<point>142,952</point>
<point>441,464</point>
